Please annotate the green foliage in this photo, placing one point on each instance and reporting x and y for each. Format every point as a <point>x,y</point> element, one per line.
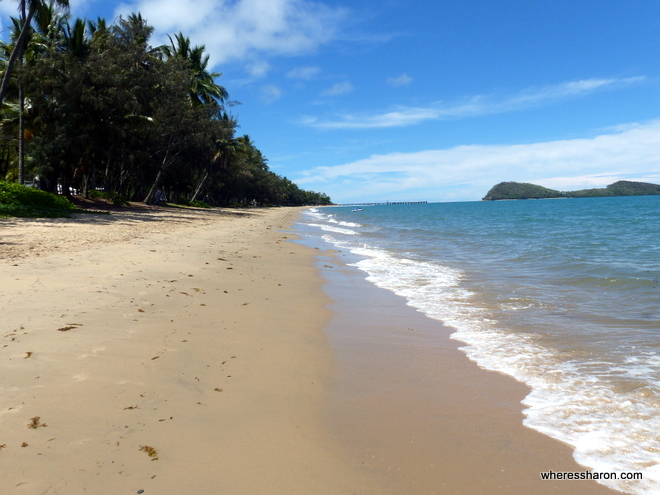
<point>591,193</point>
<point>630,188</point>
<point>195,204</point>
<point>114,197</point>
<point>107,110</point>
<point>520,190</point>
<point>516,190</point>
<point>21,201</point>
<point>99,195</point>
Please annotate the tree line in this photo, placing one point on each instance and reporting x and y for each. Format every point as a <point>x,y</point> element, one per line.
<point>93,107</point>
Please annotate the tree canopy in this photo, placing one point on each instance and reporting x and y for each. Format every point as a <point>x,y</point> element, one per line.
<point>108,113</point>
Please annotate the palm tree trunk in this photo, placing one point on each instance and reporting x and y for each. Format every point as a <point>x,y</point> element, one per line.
<point>166,161</point>
<point>152,192</point>
<point>21,133</point>
<point>106,177</point>
<point>199,187</point>
<point>17,51</point>
<point>21,109</point>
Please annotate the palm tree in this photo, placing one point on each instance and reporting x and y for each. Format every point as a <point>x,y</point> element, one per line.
<point>49,26</point>
<point>203,89</point>
<point>12,113</point>
<point>98,27</point>
<point>225,149</point>
<point>49,23</point>
<point>76,39</point>
<point>17,52</point>
<point>44,14</point>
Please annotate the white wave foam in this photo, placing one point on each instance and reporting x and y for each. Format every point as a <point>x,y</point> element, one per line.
<point>315,213</point>
<point>331,228</point>
<point>610,431</point>
<point>345,224</point>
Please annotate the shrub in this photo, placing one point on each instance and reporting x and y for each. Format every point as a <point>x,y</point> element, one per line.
<point>20,201</point>
<point>114,197</point>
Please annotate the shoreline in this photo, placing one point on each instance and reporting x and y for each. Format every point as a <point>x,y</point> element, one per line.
<point>211,338</point>
<point>411,406</point>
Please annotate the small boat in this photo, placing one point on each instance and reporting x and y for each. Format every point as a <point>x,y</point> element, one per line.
<point>356,209</point>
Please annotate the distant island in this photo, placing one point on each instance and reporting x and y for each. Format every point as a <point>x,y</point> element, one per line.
<point>524,190</point>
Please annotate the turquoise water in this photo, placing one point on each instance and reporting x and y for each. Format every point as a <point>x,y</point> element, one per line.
<point>563,295</point>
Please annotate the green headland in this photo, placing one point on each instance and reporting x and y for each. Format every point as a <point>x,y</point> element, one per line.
<point>524,190</point>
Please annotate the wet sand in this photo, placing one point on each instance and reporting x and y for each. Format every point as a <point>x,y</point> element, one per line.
<point>412,408</point>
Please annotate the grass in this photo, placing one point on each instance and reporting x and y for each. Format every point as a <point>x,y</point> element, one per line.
<point>116,198</point>
<point>186,203</point>
<point>20,201</point>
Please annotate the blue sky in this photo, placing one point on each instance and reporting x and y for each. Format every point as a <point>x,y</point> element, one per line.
<point>430,100</point>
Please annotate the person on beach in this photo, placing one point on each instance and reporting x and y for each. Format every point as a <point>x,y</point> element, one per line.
<point>160,197</point>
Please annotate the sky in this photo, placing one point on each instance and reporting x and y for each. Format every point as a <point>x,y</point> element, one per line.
<point>421,100</point>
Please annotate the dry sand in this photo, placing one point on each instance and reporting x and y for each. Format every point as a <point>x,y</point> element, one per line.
<point>200,335</point>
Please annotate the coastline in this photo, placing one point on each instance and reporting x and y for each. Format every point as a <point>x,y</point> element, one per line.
<point>410,406</point>
<point>210,337</point>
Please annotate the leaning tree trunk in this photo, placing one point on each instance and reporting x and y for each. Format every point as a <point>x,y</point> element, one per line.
<point>199,187</point>
<point>152,192</point>
<point>21,135</point>
<point>16,52</point>
<point>21,110</point>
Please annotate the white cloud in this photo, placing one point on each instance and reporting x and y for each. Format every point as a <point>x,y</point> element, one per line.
<point>258,68</point>
<point>571,89</point>
<point>242,29</point>
<point>469,171</point>
<point>270,93</point>
<point>303,73</point>
<point>402,80</point>
<point>476,105</point>
<point>400,117</point>
<point>79,8</point>
<point>338,89</point>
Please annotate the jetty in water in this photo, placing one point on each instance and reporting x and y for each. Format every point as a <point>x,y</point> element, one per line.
<point>385,203</point>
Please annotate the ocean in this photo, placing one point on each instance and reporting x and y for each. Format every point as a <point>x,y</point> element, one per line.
<point>563,295</point>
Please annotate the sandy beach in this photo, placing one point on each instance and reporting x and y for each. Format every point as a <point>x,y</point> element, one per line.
<point>191,351</point>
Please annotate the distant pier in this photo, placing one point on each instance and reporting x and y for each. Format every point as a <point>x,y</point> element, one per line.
<point>385,203</point>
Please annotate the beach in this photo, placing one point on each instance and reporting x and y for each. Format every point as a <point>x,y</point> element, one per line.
<point>191,351</point>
